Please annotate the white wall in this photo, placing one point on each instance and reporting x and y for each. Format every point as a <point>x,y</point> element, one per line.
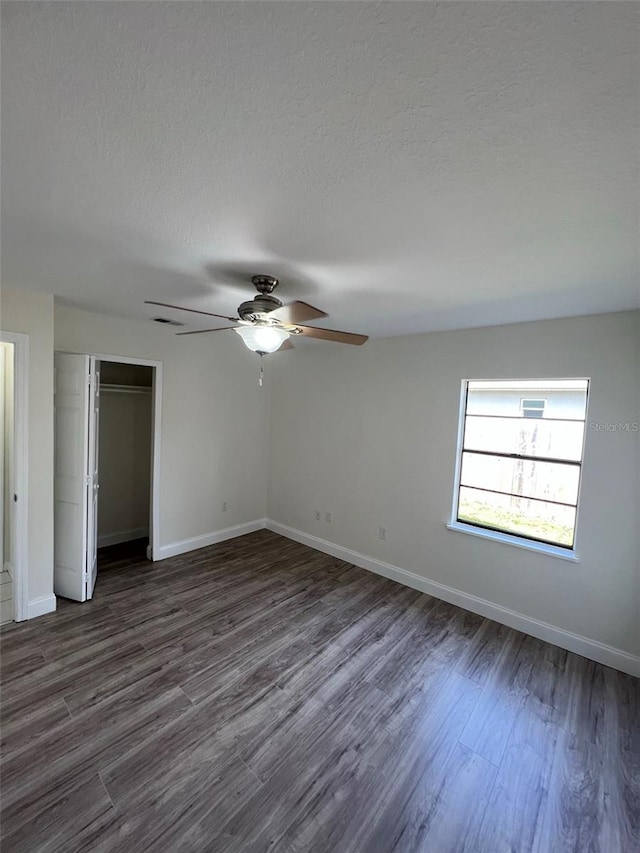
<point>369,434</point>
<point>32,314</point>
<point>214,418</point>
<point>124,465</point>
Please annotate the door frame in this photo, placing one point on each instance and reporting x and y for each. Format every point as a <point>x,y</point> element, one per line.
<point>20,471</point>
<point>156,441</point>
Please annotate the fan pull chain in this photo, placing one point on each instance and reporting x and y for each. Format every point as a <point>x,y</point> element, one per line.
<point>261,374</point>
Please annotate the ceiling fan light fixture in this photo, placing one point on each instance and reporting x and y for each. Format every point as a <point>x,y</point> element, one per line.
<point>263,338</point>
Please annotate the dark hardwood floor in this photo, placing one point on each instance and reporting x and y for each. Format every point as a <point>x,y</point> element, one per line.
<point>261,696</point>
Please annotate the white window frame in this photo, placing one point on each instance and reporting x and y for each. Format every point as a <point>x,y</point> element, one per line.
<point>546,548</point>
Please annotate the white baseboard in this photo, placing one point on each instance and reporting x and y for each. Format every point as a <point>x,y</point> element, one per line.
<point>40,606</point>
<point>592,649</point>
<point>107,539</point>
<point>207,539</point>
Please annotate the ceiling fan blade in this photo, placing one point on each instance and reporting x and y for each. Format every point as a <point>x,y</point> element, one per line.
<point>190,310</point>
<point>202,331</point>
<point>285,345</point>
<point>297,312</point>
<point>332,335</point>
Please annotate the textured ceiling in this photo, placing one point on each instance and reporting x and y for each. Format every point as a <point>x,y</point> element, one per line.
<point>403,166</point>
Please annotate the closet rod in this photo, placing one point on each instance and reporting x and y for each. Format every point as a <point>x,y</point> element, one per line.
<point>124,389</point>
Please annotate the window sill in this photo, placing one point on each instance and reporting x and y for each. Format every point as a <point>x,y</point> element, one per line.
<point>517,541</point>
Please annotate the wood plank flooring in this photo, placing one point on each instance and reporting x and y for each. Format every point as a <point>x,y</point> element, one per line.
<point>261,696</point>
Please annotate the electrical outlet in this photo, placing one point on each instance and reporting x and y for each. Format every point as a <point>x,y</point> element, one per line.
<point>328,516</point>
<point>224,506</point>
<point>318,515</point>
<point>382,533</point>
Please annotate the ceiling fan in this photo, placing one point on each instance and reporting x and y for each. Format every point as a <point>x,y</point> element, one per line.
<point>266,325</point>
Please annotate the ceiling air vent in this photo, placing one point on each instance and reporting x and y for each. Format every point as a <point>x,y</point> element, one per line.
<point>166,322</point>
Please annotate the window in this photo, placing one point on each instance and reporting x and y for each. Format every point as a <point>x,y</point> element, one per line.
<point>532,408</point>
<point>520,458</point>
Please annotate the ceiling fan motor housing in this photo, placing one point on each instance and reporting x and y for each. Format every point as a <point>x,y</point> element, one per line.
<point>264,303</point>
<point>258,308</point>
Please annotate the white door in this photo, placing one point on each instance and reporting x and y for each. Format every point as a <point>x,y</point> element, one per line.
<point>74,547</point>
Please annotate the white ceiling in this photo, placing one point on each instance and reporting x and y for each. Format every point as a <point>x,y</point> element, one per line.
<point>403,166</point>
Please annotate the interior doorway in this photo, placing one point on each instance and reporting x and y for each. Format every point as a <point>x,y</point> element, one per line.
<point>6,480</point>
<point>14,435</point>
<point>107,436</point>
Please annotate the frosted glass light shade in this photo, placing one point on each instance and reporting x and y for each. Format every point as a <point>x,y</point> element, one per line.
<point>263,338</point>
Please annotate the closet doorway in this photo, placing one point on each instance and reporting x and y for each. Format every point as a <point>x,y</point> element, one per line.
<point>107,439</point>
<point>124,457</point>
